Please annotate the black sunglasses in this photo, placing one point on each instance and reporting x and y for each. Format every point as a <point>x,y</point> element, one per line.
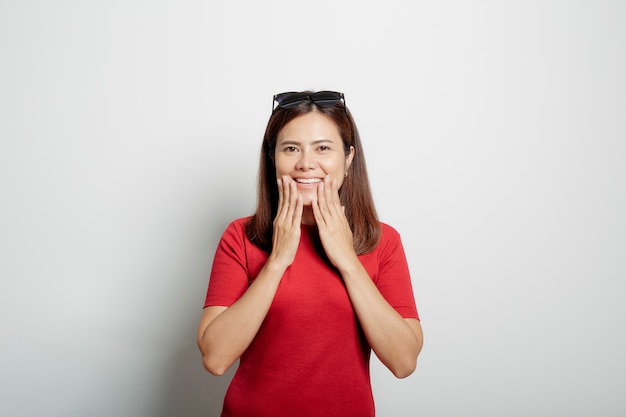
<point>291,99</point>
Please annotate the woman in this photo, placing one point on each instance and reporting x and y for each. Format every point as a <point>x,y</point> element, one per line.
<point>304,289</point>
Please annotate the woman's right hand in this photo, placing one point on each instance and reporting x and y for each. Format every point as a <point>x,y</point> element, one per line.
<point>226,332</point>
<point>287,223</point>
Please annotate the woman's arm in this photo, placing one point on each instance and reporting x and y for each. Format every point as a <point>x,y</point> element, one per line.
<point>396,341</point>
<point>225,333</point>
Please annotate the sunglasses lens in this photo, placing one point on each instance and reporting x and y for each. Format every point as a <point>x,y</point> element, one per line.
<point>326,98</point>
<point>321,98</point>
<point>290,100</point>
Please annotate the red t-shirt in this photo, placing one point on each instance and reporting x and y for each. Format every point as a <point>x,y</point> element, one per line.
<point>310,357</point>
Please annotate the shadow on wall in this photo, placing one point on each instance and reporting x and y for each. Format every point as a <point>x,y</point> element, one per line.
<point>188,390</point>
<point>191,391</point>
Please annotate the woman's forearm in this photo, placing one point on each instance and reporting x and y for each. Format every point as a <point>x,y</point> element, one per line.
<point>225,333</point>
<point>395,342</point>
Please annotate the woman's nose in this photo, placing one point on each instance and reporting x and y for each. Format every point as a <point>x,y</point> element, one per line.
<point>306,161</point>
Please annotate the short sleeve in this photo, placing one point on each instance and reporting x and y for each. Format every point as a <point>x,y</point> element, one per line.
<point>393,279</point>
<point>229,273</point>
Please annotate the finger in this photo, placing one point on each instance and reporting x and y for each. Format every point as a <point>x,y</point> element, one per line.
<point>321,194</point>
<point>281,199</point>
<point>299,208</point>
<point>336,192</point>
<point>292,201</point>
<point>283,205</point>
<point>321,204</point>
<point>279,184</point>
<point>331,195</point>
<point>317,214</point>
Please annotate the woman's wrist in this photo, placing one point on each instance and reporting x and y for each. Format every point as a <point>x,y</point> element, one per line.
<point>352,268</point>
<point>275,267</point>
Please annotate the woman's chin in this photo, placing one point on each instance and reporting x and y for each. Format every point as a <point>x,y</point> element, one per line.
<point>308,198</point>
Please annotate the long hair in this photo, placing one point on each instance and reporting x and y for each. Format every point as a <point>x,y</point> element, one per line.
<point>355,193</point>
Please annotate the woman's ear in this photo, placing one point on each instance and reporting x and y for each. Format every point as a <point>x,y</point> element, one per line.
<point>349,158</point>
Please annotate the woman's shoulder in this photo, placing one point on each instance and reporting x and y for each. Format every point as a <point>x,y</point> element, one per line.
<point>389,242</point>
<point>236,227</point>
<point>240,222</point>
<point>390,237</point>
<point>388,231</point>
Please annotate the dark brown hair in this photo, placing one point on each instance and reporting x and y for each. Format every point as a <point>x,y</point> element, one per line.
<point>355,193</point>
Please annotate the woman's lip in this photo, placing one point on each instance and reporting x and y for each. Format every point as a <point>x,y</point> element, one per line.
<point>307,181</point>
<point>307,186</point>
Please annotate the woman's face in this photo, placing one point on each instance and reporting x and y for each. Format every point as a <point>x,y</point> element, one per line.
<point>309,148</point>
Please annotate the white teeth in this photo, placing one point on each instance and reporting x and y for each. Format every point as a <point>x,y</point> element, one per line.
<point>308,180</point>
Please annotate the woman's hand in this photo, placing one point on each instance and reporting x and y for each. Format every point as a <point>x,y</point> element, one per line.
<point>395,340</point>
<point>226,332</point>
<point>334,230</point>
<point>287,223</point>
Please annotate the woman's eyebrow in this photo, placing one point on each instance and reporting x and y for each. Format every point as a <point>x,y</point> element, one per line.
<point>297,143</point>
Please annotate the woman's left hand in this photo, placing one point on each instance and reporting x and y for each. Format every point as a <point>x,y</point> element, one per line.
<point>395,340</point>
<point>332,224</point>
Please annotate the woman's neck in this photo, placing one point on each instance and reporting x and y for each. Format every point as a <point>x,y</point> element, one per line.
<point>307,216</point>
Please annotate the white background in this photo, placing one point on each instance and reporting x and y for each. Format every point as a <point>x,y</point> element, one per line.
<point>495,136</point>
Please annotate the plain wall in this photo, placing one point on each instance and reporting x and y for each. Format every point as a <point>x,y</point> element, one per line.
<point>495,136</point>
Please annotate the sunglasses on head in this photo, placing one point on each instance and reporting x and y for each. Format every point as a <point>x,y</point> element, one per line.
<point>290,100</point>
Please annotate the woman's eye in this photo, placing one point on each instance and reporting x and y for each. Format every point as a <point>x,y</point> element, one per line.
<point>323,148</point>
<point>290,149</point>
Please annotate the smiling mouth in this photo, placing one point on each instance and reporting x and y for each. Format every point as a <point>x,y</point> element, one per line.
<point>308,180</point>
